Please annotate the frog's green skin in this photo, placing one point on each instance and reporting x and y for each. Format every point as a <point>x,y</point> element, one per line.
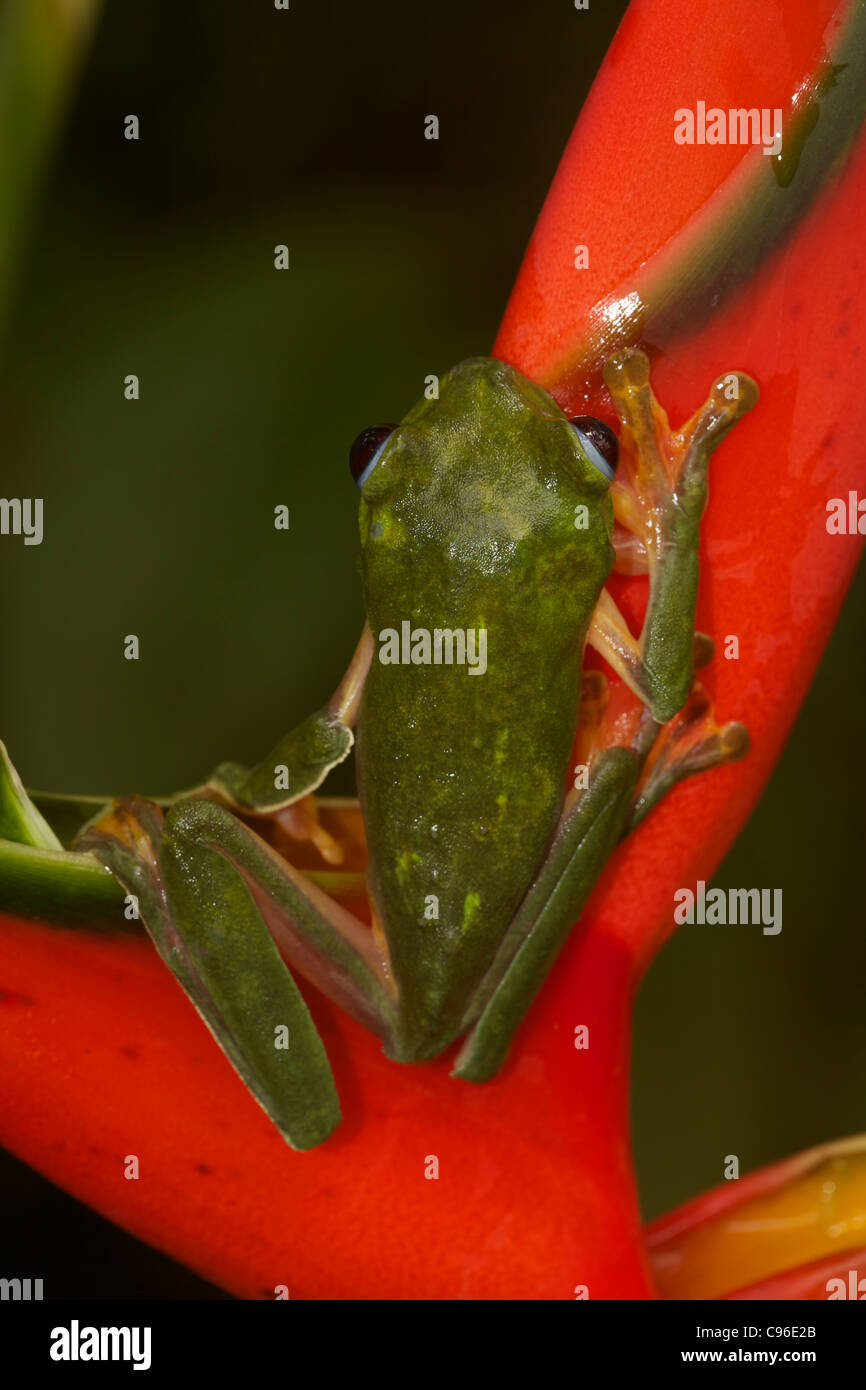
<point>468,521</point>
<point>483,511</point>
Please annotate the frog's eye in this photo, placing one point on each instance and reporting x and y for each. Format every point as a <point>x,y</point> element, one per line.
<point>367,450</point>
<point>599,443</point>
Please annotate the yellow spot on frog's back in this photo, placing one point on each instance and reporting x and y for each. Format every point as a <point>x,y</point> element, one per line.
<point>471,905</point>
<point>500,748</point>
<point>405,862</point>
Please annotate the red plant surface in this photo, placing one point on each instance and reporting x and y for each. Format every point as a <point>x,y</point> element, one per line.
<point>102,1055</point>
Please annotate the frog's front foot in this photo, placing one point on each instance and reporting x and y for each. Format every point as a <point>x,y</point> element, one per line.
<point>662,480</point>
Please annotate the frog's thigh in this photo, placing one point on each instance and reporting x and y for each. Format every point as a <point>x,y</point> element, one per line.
<point>220,907</point>
<point>318,936</point>
<point>207,927</point>
<point>587,835</point>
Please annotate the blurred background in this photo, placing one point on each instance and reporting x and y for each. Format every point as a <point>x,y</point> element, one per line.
<point>155,257</point>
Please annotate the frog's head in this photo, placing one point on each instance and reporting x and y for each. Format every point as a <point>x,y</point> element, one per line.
<point>489,484</point>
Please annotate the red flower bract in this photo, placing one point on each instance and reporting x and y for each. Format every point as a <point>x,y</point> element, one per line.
<point>102,1056</point>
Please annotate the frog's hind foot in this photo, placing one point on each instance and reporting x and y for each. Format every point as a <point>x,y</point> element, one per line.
<point>691,742</point>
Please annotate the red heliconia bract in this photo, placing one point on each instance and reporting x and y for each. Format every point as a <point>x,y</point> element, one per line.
<point>102,1055</point>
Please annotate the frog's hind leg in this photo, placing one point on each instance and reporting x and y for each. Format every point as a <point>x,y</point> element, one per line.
<point>692,742</point>
<point>631,762</point>
<point>586,836</point>
<point>225,913</point>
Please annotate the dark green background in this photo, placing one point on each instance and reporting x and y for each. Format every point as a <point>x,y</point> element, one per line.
<point>156,258</point>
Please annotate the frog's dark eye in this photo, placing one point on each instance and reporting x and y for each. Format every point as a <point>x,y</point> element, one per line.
<point>367,450</point>
<point>599,442</point>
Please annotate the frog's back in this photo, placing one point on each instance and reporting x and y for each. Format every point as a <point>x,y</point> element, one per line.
<point>461,780</point>
<point>470,551</point>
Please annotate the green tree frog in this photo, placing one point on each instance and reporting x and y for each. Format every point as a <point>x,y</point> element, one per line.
<point>490,523</point>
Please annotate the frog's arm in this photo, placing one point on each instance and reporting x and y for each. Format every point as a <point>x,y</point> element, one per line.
<point>224,910</point>
<point>303,757</point>
<point>38,879</point>
<point>659,496</point>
